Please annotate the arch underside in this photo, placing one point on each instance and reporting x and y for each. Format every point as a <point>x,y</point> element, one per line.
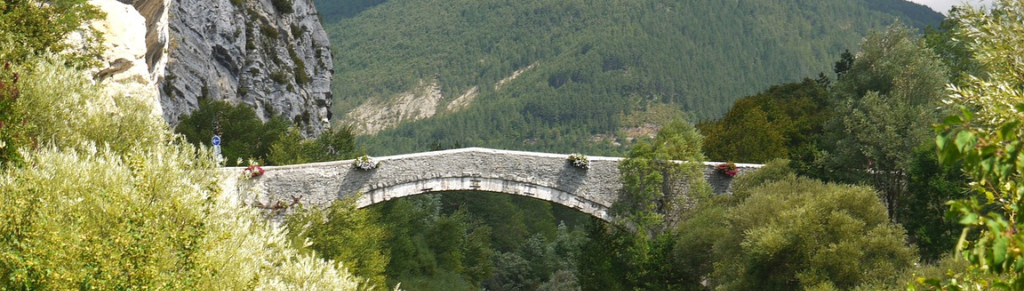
<point>445,184</point>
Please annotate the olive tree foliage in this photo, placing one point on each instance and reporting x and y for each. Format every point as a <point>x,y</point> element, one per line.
<point>986,135</point>
<point>883,106</point>
<point>110,199</point>
<point>32,27</point>
<point>12,136</point>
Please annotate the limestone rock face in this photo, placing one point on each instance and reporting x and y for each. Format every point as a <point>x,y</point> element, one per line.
<point>125,63</point>
<point>272,55</point>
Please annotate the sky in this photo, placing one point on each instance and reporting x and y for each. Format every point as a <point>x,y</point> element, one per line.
<point>944,5</point>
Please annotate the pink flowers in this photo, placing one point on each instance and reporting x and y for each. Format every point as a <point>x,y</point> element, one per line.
<point>729,169</point>
<point>253,171</point>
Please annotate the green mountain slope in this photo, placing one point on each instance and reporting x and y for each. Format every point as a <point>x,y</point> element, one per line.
<point>590,70</point>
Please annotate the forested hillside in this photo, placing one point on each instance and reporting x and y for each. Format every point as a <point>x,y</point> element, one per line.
<point>905,172</point>
<point>586,66</point>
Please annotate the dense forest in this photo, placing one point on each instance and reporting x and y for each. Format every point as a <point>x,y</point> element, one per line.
<point>587,66</point>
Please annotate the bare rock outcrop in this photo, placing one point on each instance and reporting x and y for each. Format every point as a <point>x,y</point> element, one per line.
<point>124,64</point>
<point>272,55</point>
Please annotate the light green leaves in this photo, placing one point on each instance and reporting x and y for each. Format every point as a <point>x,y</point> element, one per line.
<point>798,233</point>
<point>965,140</point>
<point>999,249</point>
<point>970,218</point>
<point>986,136</point>
<point>110,199</point>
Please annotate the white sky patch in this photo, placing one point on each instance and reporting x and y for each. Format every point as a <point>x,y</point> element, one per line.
<point>943,6</point>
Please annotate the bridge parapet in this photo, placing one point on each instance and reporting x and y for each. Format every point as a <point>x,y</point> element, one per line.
<point>543,176</point>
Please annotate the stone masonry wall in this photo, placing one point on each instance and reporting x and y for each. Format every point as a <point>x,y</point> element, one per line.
<point>543,176</point>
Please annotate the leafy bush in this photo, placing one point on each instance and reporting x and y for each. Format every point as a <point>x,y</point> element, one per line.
<point>774,170</point>
<point>985,134</point>
<point>269,31</point>
<point>12,134</point>
<point>799,233</point>
<point>29,28</point>
<point>113,200</point>
<point>332,145</point>
<point>366,163</point>
<point>279,77</point>
<point>345,234</point>
<point>244,136</point>
<point>579,160</point>
<point>301,77</point>
<point>67,110</point>
<point>283,6</point>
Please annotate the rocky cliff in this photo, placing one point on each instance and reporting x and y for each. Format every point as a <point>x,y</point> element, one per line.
<point>272,55</point>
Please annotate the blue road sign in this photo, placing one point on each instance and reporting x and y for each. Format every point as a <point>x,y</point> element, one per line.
<point>216,140</point>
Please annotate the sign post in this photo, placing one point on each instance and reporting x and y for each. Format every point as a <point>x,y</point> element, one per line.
<point>216,147</point>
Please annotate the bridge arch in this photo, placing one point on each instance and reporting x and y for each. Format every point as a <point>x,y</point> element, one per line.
<point>484,184</point>
<point>542,176</point>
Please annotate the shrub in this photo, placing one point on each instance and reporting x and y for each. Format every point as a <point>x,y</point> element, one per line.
<point>728,169</point>
<point>799,233</point>
<point>298,30</point>
<point>114,201</point>
<point>774,170</point>
<point>283,6</point>
<point>244,135</point>
<point>301,77</point>
<point>579,160</point>
<point>366,163</point>
<point>334,145</point>
<point>269,31</point>
<point>279,77</point>
<point>12,134</point>
<point>29,28</point>
<point>345,234</point>
<point>250,40</point>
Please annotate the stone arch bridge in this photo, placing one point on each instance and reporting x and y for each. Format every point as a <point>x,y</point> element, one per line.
<point>542,176</point>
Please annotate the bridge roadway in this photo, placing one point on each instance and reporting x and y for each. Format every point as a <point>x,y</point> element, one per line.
<point>542,176</point>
